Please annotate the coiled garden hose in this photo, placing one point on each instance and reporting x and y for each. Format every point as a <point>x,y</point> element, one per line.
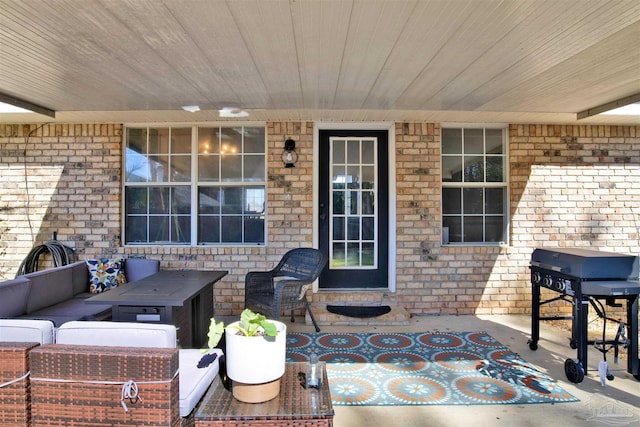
<point>61,255</point>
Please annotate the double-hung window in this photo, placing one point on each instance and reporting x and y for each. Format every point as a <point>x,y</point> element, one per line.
<point>194,185</point>
<point>474,185</point>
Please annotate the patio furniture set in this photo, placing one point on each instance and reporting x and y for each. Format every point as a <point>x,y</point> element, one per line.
<point>71,369</point>
<point>98,373</point>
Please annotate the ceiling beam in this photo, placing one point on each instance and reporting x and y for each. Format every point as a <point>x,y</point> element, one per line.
<point>8,99</point>
<point>609,106</point>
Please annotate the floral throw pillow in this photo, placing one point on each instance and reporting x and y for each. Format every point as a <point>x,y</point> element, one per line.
<point>105,274</point>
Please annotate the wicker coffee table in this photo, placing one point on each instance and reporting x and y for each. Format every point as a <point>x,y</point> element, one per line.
<point>294,406</point>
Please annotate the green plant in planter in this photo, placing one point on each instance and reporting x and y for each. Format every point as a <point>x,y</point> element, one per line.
<point>251,324</point>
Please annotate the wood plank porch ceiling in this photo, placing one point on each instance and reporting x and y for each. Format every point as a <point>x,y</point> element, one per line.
<point>323,60</point>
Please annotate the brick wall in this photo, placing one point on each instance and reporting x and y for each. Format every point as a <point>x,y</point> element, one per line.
<point>67,178</point>
<point>432,278</point>
<point>570,186</point>
<point>59,178</point>
<point>575,186</point>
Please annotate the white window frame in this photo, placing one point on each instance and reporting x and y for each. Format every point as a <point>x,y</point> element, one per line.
<point>194,184</point>
<point>504,184</point>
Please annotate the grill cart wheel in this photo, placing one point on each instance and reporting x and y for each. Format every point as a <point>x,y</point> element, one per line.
<point>533,345</point>
<point>573,344</point>
<point>573,370</point>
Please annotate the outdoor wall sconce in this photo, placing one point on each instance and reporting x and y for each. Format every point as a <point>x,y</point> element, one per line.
<point>289,155</point>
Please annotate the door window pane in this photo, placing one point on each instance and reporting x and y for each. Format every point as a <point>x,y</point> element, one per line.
<point>368,254</point>
<point>368,152</point>
<point>368,228</point>
<point>353,177</point>
<point>338,228</point>
<point>338,254</point>
<point>353,152</point>
<point>368,203</point>
<point>353,228</point>
<point>353,255</point>
<point>338,152</point>
<point>339,202</point>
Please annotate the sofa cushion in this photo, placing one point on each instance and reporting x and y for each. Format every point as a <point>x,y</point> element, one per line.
<point>72,309</point>
<point>117,334</point>
<point>139,268</point>
<point>24,330</point>
<point>105,273</point>
<point>13,296</point>
<point>194,381</point>
<point>79,277</point>
<point>48,287</point>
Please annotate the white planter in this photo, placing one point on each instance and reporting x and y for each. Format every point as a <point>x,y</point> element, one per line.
<point>255,360</point>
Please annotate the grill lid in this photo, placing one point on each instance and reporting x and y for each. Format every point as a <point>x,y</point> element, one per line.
<point>587,264</point>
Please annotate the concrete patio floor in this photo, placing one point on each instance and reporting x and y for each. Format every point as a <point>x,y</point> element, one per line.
<point>617,404</point>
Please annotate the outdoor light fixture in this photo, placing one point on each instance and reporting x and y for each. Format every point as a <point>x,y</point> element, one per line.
<point>289,156</point>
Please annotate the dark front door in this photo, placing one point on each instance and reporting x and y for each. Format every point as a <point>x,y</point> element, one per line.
<point>354,208</point>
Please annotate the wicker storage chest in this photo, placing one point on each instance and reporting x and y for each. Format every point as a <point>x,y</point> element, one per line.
<point>83,386</point>
<point>14,393</point>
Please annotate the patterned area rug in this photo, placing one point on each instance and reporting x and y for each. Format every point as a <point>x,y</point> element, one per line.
<point>452,368</point>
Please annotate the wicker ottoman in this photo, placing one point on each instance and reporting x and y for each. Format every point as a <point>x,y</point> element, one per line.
<point>75,385</point>
<point>14,383</point>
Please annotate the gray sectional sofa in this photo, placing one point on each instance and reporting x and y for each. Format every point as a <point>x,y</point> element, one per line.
<point>58,293</point>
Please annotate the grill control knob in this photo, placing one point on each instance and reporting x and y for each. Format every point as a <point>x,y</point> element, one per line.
<point>547,281</point>
<point>536,277</point>
<point>561,285</point>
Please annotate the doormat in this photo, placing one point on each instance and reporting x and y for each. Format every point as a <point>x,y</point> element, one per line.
<point>452,368</point>
<point>359,311</point>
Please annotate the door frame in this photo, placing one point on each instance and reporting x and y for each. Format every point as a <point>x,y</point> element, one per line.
<point>391,159</point>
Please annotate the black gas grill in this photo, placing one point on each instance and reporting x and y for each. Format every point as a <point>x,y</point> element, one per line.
<point>588,278</point>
